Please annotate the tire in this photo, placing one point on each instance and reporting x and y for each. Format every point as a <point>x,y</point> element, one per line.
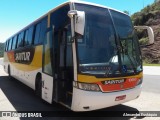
<point>38,90</point>
<point>9,73</point>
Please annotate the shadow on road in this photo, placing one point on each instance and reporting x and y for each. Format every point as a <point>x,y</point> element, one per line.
<point>23,98</point>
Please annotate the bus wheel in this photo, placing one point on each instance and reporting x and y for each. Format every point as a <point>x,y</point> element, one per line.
<point>9,72</point>
<point>38,89</point>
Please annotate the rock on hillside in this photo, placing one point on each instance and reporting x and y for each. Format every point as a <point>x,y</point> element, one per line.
<point>151,54</point>
<point>150,16</point>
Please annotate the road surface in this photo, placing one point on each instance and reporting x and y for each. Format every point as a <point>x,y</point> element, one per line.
<point>15,96</point>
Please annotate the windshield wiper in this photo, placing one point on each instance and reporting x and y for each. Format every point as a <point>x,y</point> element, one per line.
<point>113,66</point>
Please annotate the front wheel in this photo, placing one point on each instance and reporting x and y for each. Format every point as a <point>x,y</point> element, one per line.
<point>39,87</point>
<point>9,73</point>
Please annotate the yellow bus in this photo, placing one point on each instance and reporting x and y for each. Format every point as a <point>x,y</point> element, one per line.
<point>82,55</point>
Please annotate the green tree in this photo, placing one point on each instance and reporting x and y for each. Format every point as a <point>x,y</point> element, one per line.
<point>1,49</point>
<point>156,1</point>
<point>127,12</point>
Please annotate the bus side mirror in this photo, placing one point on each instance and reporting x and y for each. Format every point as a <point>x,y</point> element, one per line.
<point>79,18</point>
<point>149,32</point>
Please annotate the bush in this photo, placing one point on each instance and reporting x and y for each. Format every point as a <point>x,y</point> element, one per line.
<point>1,49</point>
<point>150,21</point>
<point>144,41</point>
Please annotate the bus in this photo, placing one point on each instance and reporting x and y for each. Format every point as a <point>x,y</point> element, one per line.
<point>82,55</point>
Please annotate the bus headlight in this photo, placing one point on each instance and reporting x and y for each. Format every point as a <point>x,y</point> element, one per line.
<point>140,81</point>
<point>86,86</point>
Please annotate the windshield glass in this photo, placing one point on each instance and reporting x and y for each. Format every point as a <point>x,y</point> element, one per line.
<point>97,49</point>
<point>130,52</point>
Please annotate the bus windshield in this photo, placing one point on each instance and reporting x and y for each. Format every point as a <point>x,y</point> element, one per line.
<point>109,46</point>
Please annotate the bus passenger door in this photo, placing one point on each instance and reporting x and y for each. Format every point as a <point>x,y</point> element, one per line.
<point>63,83</point>
<point>47,67</point>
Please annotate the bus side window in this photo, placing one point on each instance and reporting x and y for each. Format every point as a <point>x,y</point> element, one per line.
<point>6,45</point>
<point>28,36</point>
<point>18,43</point>
<point>20,40</point>
<point>17,40</point>
<point>14,42</point>
<point>47,60</point>
<point>37,34</point>
<point>10,44</point>
<point>40,30</point>
<point>43,30</point>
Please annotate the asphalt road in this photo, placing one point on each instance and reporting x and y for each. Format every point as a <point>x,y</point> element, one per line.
<point>16,96</point>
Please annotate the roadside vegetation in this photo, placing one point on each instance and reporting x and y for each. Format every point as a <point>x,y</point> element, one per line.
<point>1,49</point>
<point>144,64</point>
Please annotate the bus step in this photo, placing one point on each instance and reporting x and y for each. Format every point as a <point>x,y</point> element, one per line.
<point>69,93</point>
<point>68,98</point>
<point>64,104</point>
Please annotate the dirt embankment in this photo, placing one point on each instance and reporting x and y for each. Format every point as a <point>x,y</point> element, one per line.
<point>151,54</point>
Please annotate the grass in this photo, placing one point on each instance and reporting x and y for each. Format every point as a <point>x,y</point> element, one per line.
<point>145,64</point>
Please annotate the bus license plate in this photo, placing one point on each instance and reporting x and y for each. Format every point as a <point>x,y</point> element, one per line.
<point>122,97</point>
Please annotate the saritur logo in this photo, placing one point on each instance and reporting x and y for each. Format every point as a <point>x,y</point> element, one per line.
<point>110,82</point>
<point>23,56</point>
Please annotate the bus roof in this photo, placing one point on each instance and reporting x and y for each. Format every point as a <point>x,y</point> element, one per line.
<point>61,5</point>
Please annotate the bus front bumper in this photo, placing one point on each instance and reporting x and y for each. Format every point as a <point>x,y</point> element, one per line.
<point>88,100</point>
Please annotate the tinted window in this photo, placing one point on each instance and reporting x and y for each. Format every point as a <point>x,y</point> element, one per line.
<point>28,36</point>
<point>17,41</point>
<point>14,42</point>
<point>20,40</point>
<point>10,44</point>
<point>59,18</point>
<point>122,23</point>
<point>98,43</point>
<point>47,65</point>
<point>43,30</point>
<point>18,44</point>
<point>128,42</point>
<point>6,45</point>
<point>37,33</point>
<point>40,29</point>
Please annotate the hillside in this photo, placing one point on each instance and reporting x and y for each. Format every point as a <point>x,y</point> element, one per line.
<point>150,16</point>
<point>1,49</point>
